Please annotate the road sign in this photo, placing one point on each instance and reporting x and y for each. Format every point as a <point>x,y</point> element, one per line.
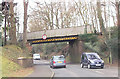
<point>44,36</point>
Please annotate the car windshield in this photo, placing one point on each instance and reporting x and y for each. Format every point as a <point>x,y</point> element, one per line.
<point>36,55</point>
<point>59,58</point>
<point>93,56</point>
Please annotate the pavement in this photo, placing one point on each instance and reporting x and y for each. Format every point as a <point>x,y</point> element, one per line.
<point>41,69</point>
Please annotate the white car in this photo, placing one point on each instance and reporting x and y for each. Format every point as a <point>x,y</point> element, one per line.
<point>36,56</point>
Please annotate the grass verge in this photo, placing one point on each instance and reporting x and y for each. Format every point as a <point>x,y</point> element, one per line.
<point>8,65</point>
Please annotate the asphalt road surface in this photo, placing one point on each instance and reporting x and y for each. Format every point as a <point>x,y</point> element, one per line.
<point>41,69</point>
<point>74,70</point>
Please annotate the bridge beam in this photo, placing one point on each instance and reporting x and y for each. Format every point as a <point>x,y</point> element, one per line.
<point>75,51</point>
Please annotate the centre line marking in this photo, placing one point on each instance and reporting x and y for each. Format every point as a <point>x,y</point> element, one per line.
<point>99,72</point>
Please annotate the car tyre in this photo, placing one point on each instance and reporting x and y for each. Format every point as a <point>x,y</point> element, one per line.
<point>53,67</point>
<point>64,66</point>
<point>81,65</point>
<point>102,67</point>
<point>89,66</point>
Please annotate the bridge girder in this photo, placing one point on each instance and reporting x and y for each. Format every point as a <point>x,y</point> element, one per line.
<point>54,39</point>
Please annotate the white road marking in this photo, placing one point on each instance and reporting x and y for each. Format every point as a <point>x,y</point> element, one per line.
<point>99,72</point>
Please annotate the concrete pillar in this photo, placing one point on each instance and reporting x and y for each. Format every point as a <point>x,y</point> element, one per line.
<point>75,50</point>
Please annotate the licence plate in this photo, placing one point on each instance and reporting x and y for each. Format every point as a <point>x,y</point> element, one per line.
<point>98,64</point>
<point>59,62</point>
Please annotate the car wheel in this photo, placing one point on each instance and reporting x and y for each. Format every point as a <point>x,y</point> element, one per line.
<point>53,67</point>
<point>64,66</point>
<point>89,66</point>
<point>81,65</point>
<point>102,67</point>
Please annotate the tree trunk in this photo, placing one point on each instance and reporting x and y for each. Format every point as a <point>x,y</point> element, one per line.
<point>103,30</point>
<point>52,17</point>
<point>118,13</point>
<point>92,20</point>
<point>25,23</point>
<point>57,23</point>
<point>13,39</point>
<point>62,20</point>
<point>102,27</point>
<point>96,22</point>
<point>105,14</point>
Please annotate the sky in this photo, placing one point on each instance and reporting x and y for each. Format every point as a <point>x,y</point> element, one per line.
<point>20,8</point>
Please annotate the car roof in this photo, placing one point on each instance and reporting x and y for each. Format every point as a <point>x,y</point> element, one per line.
<point>89,53</point>
<point>36,54</point>
<point>58,56</point>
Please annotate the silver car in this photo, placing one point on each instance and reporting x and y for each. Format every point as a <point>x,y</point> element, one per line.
<point>57,61</point>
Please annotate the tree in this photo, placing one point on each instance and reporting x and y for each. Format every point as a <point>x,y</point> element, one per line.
<point>25,23</point>
<point>1,19</point>
<point>99,14</point>
<point>118,12</point>
<point>52,15</point>
<point>83,11</point>
<point>104,32</point>
<point>116,5</point>
<point>13,39</point>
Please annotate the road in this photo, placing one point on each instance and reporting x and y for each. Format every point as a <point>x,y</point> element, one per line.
<point>74,70</point>
<point>41,69</point>
<point>77,71</point>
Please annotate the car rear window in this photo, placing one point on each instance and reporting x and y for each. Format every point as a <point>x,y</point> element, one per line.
<point>36,55</point>
<point>59,58</point>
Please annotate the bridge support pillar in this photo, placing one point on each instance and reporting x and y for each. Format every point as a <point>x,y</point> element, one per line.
<point>75,50</point>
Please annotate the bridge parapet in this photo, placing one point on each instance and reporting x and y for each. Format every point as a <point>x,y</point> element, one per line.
<point>57,32</point>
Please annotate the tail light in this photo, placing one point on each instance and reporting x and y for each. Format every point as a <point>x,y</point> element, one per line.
<point>64,61</point>
<point>53,61</point>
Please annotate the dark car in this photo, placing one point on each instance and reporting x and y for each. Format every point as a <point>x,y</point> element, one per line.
<point>91,60</point>
<point>58,61</point>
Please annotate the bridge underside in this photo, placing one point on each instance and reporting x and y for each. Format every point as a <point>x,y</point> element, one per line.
<point>61,35</point>
<point>75,46</point>
<point>53,39</point>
